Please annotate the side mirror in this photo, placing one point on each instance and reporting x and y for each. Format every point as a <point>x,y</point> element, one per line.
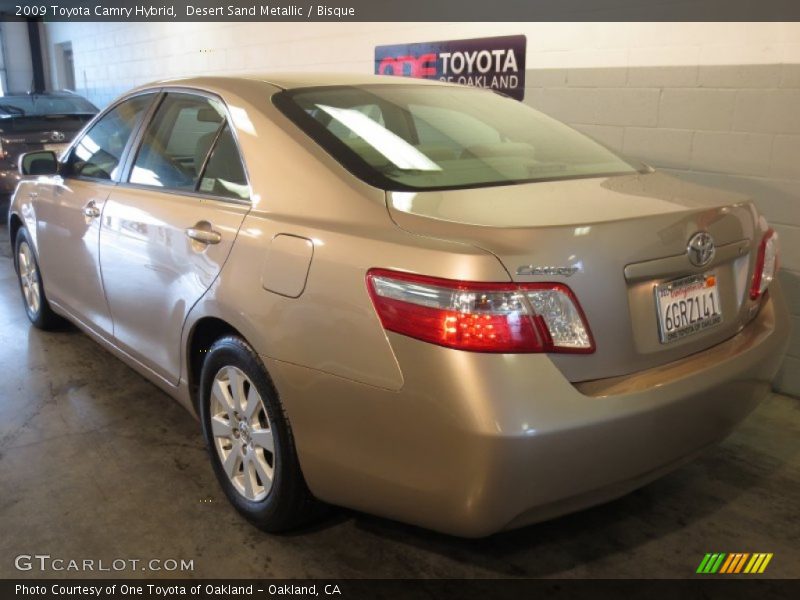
<point>39,162</point>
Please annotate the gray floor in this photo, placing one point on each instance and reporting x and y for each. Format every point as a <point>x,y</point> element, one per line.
<point>97,463</point>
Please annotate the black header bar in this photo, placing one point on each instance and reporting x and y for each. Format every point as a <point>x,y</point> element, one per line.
<point>401,10</point>
<point>705,588</point>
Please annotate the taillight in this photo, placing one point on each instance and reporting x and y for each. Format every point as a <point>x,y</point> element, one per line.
<point>766,264</point>
<point>480,317</point>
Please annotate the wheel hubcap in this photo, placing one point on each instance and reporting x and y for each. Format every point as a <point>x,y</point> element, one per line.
<point>242,433</point>
<point>28,277</point>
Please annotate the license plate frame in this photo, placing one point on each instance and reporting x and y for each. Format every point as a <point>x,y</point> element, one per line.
<point>699,294</point>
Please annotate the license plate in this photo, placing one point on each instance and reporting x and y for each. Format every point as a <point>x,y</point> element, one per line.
<point>57,148</point>
<point>687,305</point>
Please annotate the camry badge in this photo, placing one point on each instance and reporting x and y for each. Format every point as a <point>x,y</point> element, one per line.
<point>534,270</point>
<point>701,249</point>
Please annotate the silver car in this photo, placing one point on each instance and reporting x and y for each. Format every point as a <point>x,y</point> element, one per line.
<point>428,302</point>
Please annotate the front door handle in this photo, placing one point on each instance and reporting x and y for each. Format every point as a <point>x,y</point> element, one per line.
<point>204,236</point>
<point>91,210</point>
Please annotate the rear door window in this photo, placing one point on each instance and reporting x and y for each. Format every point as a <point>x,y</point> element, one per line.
<point>177,142</point>
<point>224,173</point>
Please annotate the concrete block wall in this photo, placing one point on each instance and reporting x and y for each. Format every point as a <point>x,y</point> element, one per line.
<point>15,56</point>
<point>735,127</point>
<point>717,103</point>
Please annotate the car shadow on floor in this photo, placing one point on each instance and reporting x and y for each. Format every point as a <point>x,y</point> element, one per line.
<point>5,246</point>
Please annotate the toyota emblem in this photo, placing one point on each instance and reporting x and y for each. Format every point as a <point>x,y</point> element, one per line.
<point>57,136</point>
<point>701,249</point>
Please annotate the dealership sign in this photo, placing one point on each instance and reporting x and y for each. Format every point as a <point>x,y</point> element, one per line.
<point>496,62</point>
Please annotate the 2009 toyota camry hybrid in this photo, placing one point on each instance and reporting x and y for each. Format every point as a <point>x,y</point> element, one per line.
<point>424,301</point>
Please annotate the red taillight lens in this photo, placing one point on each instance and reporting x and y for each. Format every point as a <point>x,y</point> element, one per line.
<point>766,264</point>
<point>480,317</point>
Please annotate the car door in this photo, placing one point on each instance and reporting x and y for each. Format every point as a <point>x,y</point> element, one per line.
<point>169,228</point>
<point>68,210</point>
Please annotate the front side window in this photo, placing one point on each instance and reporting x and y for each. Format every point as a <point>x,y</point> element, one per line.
<point>177,141</point>
<point>415,137</point>
<point>98,153</point>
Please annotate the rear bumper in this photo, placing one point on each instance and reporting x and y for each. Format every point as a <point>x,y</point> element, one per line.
<point>475,443</point>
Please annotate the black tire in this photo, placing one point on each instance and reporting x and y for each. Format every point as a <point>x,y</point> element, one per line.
<point>288,502</point>
<point>42,316</point>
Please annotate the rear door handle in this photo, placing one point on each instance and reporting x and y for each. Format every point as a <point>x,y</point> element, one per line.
<point>204,236</point>
<point>91,210</point>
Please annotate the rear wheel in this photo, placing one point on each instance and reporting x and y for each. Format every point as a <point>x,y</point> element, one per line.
<point>30,283</point>
<point>249,439</point>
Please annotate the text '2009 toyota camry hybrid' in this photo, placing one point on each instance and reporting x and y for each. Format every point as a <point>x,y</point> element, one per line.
<point>424,301</point>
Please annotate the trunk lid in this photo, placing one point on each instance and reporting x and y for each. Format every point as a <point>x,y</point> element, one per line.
<point>26,134</point>
<point>622,236</point>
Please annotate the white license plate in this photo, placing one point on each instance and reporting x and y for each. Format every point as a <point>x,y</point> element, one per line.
<point>57,148</point>
<point>687,305</point>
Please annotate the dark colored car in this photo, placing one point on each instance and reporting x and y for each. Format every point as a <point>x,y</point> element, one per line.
<point>37,121</point>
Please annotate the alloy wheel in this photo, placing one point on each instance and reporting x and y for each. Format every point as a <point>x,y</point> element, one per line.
<point>242,433</point>
<point>29,278</point>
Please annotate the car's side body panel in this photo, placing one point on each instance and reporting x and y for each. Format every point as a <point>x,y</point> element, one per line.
<point>153,273</point>
<point>332,326</point>
<point>68,247</point>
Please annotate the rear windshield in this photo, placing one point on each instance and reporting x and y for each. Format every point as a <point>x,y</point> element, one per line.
<point>29,124</point>
<point>413,137</point>
<point>33,105</point>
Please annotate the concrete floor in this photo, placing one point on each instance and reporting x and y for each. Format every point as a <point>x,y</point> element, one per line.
<point>95,462</point>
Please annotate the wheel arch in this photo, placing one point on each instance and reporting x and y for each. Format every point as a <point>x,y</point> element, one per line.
<point>14,225</point>
<point>202,335</point>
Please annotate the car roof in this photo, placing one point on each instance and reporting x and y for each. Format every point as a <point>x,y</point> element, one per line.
<point>289,81</point>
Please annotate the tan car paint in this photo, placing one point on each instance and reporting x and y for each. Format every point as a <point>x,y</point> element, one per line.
<point>478,443</point>
<point>461,442</point>
<point>286,265</point>
<point>620,312</point>
<point>153,275</point>
<point>68,248</point>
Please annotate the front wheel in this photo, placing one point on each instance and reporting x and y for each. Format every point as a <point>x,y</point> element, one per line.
<point>30,283</point>
<point>249,439</point>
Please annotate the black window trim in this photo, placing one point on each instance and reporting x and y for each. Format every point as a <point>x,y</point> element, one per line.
<point>130,158</point>
<point>340,152</point>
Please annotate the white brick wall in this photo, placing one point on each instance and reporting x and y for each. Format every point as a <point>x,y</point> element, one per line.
<point>112,57</point>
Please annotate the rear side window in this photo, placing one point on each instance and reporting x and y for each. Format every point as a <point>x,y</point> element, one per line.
<point>224,174</point>
<point>177,142</point>
<point>97,154</point>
